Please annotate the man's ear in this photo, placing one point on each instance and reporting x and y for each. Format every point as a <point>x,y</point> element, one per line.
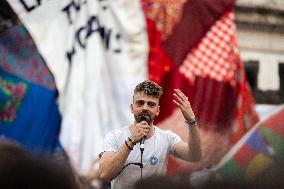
<point>131,108</point>
<point>158,111</point>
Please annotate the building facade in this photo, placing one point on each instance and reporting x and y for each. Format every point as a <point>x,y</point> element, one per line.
<point>260,25</point>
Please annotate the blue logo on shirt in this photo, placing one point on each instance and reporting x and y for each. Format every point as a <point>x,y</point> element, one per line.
<point>153,160</point>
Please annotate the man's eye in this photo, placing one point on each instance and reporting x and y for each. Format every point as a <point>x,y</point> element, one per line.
<point>140,103</point>
<point>151,104</point>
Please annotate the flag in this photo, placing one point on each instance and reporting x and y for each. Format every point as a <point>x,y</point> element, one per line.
<point>29,113</point>
<point>197,51</point>
<point>97,53</point>
<point>272,130</point>
<point>256,152</point>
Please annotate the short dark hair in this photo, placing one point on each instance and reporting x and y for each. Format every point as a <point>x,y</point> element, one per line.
<point>150,88</point>
<point>20,169</point>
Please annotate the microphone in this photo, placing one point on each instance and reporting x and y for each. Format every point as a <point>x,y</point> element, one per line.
<point>142,141</point>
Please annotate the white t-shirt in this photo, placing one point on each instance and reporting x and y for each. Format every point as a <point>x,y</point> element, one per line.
<point>155,156</point>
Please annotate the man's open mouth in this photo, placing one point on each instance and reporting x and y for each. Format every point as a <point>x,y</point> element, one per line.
<point>144,117</point>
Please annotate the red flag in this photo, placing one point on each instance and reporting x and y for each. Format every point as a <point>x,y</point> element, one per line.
<point>197,51</point>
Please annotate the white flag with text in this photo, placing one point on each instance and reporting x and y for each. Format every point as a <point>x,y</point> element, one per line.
<point>97,52</point>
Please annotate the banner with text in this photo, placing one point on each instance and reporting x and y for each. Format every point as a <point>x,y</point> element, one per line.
<point>97,52</point>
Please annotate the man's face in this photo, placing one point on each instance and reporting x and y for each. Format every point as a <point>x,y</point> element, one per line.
<point>145,105</point>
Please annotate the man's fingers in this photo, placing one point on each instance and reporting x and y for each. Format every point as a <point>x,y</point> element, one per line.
<point>144,126</point>
<point>177,98</point>
<point>143,132</point>
<point>180,96</point>
<point>178,104</point>
<point>183,103</point>
<point>179,93</point>
<point>144,129</point>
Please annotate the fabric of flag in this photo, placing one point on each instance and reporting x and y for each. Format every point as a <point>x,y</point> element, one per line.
<point>256,152</point>
<point>217,57</point>
<point>29,114</point>
<point>97,53</point>
<point>273,132</point>
<point>197,51</point>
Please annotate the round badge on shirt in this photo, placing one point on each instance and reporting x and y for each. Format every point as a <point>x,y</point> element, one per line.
<point>153,160</point>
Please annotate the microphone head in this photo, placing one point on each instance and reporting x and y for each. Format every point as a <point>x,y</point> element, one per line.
<point>144,118</point>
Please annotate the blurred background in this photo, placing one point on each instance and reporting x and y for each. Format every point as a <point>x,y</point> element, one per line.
<point>68,69</point>
<point>260,30</point>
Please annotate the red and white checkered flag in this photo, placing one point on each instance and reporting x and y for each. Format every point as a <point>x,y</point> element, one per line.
<point>216,54</point>
<point>217,57</point>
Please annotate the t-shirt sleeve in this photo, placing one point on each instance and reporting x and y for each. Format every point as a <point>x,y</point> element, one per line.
<point>173,139</point>
<point>110,142</point>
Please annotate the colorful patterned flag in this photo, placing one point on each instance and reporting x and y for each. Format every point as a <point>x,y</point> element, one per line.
<point>257,151</point>
<point>273,131</point>
<point>29,114</point>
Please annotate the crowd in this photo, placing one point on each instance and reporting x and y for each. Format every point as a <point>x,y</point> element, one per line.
<point>21,170</point>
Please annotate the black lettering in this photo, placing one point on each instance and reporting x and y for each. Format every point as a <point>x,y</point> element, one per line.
<point>32,7</point>
<point>28,8</point>
<point>39,2</point>
<point>103,4</point>
<point>70,7</point>
<point>91,25</point>
<point>79,37</point>
<point>70,54</point>
<point>117,37</point>
<point>105,35</point>
<point>94,26</point>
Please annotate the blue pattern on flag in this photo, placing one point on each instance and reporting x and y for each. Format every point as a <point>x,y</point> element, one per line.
<point>256,142</point>
<point>37,122</point>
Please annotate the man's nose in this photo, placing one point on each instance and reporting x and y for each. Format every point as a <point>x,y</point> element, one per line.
<point>145,106</point>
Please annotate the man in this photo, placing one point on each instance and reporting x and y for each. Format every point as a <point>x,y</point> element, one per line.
<point>122,146</point>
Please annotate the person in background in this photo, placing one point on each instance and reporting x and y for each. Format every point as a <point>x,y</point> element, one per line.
<point>20,170</point>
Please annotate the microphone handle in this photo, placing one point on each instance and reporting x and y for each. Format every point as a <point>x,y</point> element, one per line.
<point>142,143</point>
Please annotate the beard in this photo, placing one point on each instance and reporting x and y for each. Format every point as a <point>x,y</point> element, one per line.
<point>144,116</point>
